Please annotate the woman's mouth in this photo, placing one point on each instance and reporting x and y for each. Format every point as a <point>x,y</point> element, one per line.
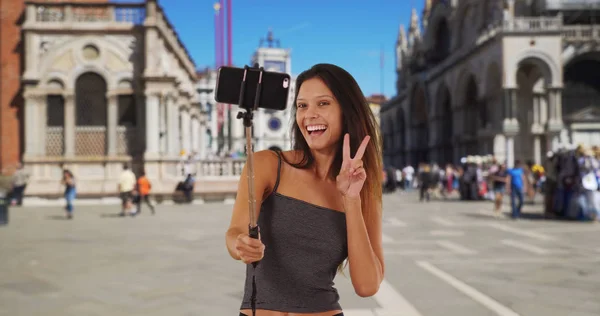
<point>316,130</point>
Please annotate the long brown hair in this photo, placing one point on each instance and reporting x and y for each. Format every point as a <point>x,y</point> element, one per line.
<point>358,121</point>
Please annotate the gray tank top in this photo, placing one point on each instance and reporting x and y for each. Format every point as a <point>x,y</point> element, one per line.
<point>304,245</point>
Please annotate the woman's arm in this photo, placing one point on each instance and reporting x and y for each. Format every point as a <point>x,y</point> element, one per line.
<point>365,251</point>
<point>265,173</point>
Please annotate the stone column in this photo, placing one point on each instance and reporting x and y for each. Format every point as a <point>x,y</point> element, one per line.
<point>172,128</point>
<point>537,149</point>
<point>163,123</point>
<point>510,125</point>
<point>202,144</point>
<point>555,109</point>
<point>32,120</point>
<point>42,124</point>
<point>111,128</point>
<point>555,124</point>
<point>185,130</point>
<point>194,136</point>
<point>152,121</point>
<point>510,150</point>
<point>69,129</point>
<point>214,128</point>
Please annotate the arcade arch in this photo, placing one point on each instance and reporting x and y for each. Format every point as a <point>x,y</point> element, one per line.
<point>399,138</point>
<point>581,98</point>
<point>445,122</point>
<point>533,78</point>
<point>471,116</point>
<point>420,125</point>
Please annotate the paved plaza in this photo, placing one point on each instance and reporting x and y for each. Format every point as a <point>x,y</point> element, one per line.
<point>442,258</point>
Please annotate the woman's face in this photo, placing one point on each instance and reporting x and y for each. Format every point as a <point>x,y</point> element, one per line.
<point>318,115</point>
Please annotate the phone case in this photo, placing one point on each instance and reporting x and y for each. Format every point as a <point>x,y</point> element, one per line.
<point>274,94</point>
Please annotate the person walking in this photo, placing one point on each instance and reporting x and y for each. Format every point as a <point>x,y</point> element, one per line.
<point>515,185</point>
<point>143,189</point>
<point>68,181</point>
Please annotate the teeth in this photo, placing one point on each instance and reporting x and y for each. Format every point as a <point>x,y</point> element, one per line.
<point>312,128</point>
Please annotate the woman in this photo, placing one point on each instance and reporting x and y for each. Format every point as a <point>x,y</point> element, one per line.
<point>68,181</point>
<point>319,205</point>
<point>499,184</point>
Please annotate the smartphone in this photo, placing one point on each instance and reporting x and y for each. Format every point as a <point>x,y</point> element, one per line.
<point>274,91</point>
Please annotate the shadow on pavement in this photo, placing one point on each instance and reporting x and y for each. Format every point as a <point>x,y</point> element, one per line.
<point>57,217</point>
<point>111,215</point>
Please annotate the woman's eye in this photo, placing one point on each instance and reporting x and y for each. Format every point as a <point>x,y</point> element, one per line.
<point>323,103</point>
<point>300,105</point>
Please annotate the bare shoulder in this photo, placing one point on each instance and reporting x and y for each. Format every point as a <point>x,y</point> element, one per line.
<point>265,167</point>
<point>265,159</point>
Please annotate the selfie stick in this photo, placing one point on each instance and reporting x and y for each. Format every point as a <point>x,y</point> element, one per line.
<point>247,119</point>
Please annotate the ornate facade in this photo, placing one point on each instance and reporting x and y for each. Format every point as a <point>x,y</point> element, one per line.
<point>105,84</point>
<point>503,77</point>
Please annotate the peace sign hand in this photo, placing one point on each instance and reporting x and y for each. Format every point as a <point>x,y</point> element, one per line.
<point>352,174</point>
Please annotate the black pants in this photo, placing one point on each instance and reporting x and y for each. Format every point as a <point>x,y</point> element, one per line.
<point>144,198</point>
<point>340,314</point>
<point>17,194</point>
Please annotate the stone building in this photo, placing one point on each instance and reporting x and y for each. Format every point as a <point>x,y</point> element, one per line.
<point>104,84</point>
<point>11,98</point>
<point>509,78</point>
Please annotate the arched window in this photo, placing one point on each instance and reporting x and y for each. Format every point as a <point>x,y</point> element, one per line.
<point>91,115</point>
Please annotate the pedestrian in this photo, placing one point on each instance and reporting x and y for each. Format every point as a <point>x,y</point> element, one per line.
<point>19,182</point>
<point>143,189</point>
<point>127,182</point>
<point>515,185</point>
<point>320,204</point>
<point>68,181</point>
<point>499,179</point>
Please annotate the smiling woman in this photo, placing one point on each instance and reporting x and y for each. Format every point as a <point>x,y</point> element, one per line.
<point>306,234</point>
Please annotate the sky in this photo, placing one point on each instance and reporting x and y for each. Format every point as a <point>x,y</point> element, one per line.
<point>348,33</point>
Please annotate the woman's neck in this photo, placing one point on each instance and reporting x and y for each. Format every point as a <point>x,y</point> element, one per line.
<point>323,162</point>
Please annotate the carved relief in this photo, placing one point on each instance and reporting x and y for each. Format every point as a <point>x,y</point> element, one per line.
<point>47,42</point>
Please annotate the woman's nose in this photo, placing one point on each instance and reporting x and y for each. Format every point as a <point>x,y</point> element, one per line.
<point>311,112</point>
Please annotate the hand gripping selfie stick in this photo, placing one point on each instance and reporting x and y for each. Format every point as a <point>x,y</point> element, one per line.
<point>247,119</point>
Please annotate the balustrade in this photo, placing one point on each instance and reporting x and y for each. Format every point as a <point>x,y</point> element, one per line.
<point>533,24</point>
<point>86,13</point>
<point>581,33</point>
<point>230,168</point>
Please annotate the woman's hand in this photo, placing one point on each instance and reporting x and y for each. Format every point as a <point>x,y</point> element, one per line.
<point>249,249</point>
<point>352,174</point>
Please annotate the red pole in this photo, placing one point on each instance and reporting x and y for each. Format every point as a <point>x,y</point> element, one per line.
<point>229,41</point>
<point>229,62</point>
<point>217,61</point>
<point>222,33</point>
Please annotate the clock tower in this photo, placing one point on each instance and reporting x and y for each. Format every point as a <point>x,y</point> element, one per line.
<point>272,128</point>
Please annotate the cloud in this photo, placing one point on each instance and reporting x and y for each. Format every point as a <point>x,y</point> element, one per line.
<point>295,28</point>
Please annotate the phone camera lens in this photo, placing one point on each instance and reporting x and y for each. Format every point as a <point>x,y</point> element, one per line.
<point>286,83</point>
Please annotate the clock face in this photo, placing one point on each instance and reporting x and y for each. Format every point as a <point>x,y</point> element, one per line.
<point>274,123</point>
<point>277,66</point>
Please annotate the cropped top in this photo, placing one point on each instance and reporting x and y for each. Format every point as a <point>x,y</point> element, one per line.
<point>304,245</point>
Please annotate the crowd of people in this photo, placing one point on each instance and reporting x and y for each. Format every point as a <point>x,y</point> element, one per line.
<point>569,181</point>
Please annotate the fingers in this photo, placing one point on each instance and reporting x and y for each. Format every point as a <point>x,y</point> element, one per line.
<point>355,165</point>
<point>249,249</point>
<point>362,148</point>
<point>346,148</point>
